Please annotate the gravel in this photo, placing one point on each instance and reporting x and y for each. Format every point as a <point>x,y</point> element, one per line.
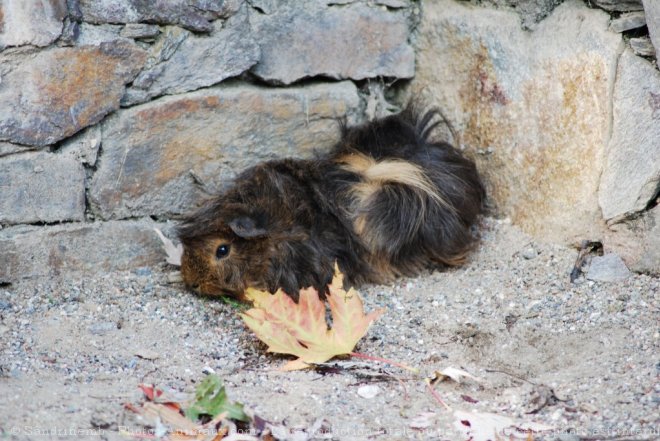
<point>582,358</point>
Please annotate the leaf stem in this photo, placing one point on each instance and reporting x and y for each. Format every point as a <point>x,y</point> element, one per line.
<point>384,360</point>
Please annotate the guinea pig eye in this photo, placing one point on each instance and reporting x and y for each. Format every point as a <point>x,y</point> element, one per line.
<point>222,251</point>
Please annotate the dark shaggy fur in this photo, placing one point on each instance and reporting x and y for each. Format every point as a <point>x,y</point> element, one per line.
<point>388,200</point>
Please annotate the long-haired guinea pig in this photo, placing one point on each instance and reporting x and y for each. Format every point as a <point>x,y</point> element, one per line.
<point>386,201</point>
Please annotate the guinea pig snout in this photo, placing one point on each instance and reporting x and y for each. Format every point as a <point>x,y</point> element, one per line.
<point>189,272</point>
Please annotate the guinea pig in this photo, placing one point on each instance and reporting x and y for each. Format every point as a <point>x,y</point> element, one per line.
<point>388,200</point>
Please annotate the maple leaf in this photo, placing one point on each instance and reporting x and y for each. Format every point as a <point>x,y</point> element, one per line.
<point>300,329</point>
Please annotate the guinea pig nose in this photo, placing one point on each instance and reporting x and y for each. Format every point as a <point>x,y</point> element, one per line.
<point>194,287</point>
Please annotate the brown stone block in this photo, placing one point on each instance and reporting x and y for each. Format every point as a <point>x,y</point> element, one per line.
<point>53,94</point>
<point>161,157</point>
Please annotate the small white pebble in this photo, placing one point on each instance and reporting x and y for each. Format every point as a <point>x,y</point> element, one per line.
<point>368,391</point>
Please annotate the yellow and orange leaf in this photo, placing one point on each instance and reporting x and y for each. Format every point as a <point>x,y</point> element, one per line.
<point>300,329</point>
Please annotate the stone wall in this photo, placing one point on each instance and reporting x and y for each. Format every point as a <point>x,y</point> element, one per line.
<point>560,111</point>
<point>116,116</point>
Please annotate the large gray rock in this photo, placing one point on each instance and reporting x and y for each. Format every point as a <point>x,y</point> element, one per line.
<point>41,187</point>
<point>652,12</point>
<point>195,15</point>
<point>354,41</point>
<point>53,94</point>
<point>33,22</point>
<point>79,248</point>
<point>181,61</point>
<point>531,107</point>
<point>631,177</point>
<point>159,158</point>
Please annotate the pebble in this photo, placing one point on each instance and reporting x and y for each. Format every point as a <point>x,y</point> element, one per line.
<point>368,391</point>
<point>102,420</point>
<point>529,253</point>
<point>174,277</point>
<point>607,268</point>
<point>143,271</point>
<point>102,328</point>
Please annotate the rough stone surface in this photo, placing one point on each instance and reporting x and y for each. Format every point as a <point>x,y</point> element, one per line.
<point>652,11</point>
<point>84,146</point>
<point>631,177</point>
<point>181,62</point>
<point>41,187</point>
<point>57,92</point>
<point>628,21</point>
<point>7,148</point>
<point>354,41</point>
<point>642,46</point>
<point>532,108</point>
<point>531,12</point>
<point>34,22</point>
<point>195,15</point>
<point>649,260</point>
<point>87,248</point>
<point>158,157</point>
<point>619,5</point>
<point>608,268</point>
<point>94,35</point>
<point>140,31</point>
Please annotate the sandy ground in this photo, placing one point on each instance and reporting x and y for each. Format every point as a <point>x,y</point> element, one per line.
<point>583,358</point>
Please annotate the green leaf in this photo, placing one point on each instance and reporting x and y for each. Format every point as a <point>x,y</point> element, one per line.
<point>211,399</point>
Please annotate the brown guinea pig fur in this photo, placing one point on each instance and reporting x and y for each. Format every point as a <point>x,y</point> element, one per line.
<point>387,200</point>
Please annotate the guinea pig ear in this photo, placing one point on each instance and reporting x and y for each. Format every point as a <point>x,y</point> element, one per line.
<point>247,227</point>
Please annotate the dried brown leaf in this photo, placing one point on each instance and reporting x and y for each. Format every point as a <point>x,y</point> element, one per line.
<point>300,329</point>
